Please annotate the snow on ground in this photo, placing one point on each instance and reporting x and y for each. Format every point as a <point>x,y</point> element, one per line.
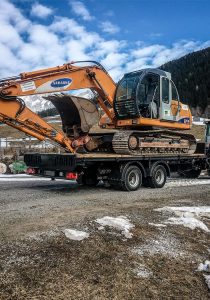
<point>189,222</point>
<point>198,123</point>
<point>157,225</point>
<point>54,121</point>
<point>52,117</point>
<point>14,176</point>
<point>199,211</point>
<point>207,279</point>
<point>19,177</point>
<point>163,244</point>
<point>185,182</point>
<point>120,223</point>
<point>142,271</point>
<point>76,235</point>
<point>188,216</point>
<point>204,266</point>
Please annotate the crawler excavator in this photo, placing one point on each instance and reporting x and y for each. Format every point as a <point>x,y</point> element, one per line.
<point>141,114</point>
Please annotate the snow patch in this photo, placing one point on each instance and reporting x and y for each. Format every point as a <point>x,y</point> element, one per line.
<point>157,225</point>
<point>142,271</point>
<point>189,222</point>
<point>194,210</point>
<point>120,223</point>
<point>188,216</point>
<point>182,182</point>
<point>165,245</point>
<point>76,235</point>
<point>204,266</point>
<point>207,280</point>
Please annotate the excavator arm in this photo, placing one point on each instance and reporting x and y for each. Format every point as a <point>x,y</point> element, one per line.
<point>50,82</point>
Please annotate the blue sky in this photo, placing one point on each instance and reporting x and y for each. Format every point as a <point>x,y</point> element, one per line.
<point>122,35</point>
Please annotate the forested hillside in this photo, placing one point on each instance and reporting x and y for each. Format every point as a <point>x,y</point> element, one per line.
<point>191,74</point>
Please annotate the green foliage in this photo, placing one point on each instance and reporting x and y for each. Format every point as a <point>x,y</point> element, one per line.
<point>48,112</point>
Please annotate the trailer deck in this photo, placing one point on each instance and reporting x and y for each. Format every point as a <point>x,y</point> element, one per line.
<point>116,169</point>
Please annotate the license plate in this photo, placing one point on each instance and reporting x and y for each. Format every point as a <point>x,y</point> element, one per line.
<point>49,173</point>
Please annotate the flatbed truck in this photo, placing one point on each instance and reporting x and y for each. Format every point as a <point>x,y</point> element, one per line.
<point>122,172</point>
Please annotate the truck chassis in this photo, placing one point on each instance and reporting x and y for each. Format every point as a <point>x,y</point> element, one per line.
<point>123,172</point>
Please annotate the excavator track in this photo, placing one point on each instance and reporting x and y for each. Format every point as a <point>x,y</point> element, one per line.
<point>153,142</point>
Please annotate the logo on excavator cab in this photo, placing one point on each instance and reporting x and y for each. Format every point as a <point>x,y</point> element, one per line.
<point>61,82</point>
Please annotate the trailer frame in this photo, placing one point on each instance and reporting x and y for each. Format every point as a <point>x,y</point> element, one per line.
<point>124,172</point>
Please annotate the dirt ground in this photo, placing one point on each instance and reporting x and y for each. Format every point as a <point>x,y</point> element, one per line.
<point>37,261</point>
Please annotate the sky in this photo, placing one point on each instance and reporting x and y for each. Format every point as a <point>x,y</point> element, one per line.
<point>122,35</point>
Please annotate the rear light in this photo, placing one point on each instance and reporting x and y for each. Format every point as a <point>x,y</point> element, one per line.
<point>71,176</point>
<point>31,171</point>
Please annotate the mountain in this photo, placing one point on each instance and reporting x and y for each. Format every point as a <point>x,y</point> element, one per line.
<point>45,108</point>
<point>191,75</point>
<point>36,103</point>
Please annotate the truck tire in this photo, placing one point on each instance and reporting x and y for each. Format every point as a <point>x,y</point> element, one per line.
<point>132,179</point>
<point>158,177</point>
<point>191,174</point>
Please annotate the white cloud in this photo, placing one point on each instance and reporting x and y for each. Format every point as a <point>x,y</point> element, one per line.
<point>114,60</point>
<point>108,27</point>
<point>146,51</point>
<point>40,11</point>
<point>36,46</point>
<point>9,14</point>
<point>79,9</point>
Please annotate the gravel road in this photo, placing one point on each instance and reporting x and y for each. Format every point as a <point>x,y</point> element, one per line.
<point>34,212</point>
<point>28,205</point>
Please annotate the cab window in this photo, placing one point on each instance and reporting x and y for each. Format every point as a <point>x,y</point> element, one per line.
<point>175,95</point>
<point>165,90</point>
<point>127,88</point>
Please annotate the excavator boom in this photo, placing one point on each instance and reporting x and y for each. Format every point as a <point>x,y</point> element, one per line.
<point>50,83</point>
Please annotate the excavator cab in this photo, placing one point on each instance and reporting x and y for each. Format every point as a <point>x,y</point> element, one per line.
<point>148,94</point>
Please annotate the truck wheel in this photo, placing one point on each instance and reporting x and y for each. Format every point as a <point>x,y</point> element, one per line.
<point>158,177</point>
<point>191,174</point>
<point>132,179</point>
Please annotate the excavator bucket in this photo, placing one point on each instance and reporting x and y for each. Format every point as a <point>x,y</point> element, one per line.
<point>78,114</point>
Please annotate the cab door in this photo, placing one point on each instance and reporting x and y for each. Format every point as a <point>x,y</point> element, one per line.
<point>165,100</point>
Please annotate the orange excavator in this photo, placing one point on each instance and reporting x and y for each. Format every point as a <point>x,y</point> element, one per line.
<point>140,114</point>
